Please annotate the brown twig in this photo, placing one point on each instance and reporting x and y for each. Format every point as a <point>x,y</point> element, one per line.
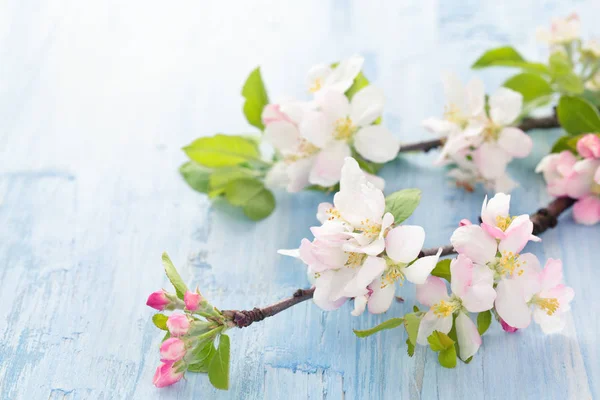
<point>528,124</point>
<point>543,219</point>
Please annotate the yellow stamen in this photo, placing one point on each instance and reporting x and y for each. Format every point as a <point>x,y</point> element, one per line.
<point>443,309</point>
<point>393,274</point>
<point>316,86</point>
<point>305,149</point>
<point>355,260</point>
<point>344,128</point>
<point>550,305</point>
<point>453,114</point>
<point>491,132</point>
<point>509,264</point>
<point>333,214</point>
<point>504,222</point>
<point>369,228</point>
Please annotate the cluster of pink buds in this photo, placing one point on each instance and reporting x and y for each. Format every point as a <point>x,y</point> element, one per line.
<point>576,176</point>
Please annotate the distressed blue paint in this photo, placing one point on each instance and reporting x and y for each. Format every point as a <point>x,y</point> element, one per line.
<point>96,99</point>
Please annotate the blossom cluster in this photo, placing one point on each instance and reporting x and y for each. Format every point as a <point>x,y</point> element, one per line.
<point>576,176</point>
<point>491,273</point>
<point>480,138</point>
<point>359,251</point>
<point>312,138</point>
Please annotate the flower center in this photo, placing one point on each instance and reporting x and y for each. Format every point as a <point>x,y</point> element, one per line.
<point>491,132</point>
<point>355,260</point>
<point>305,149</point>
<point>445,308</point>
<point>344,128</point>
<point>316,85</point>
<point>393,272</point>
<point>333,214</point>
<point>369,229</point>
<point>503,222</point>
<point>550,305</point>
<point>509,264</point>
<point>453,114</point>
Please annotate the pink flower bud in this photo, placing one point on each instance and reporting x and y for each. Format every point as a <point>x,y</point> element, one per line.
<point>464,222</point>
<point>272,113</point>
<point>589,146</point>
<point>158,300</point>
<point>178,324</point>
<point>172,349</point>
<point>192,300</point>
<point>166,375</point>
<point>507,327</point>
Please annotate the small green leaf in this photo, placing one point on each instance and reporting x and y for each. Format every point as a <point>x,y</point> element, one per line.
<point>221,177</point>
<point>167,335</point>
<point>201,357</point>
<point>447,358</point>
<point>411,324</point>
<point>256,98</point>
<point>223,151</point>
<point>442,270</point>
<point>389,324</point>
<point>531,86</point>
<point>562,144</point>
<point>196,176</point>
<point>360,82</point>
<point>402,204</point>
<point>260,206</point>
<point>507,56</point>
<point>577,115</point>
<point>439,341</point>
<point>239,192</point>
<point>484,319</point>
<point>173,276</point>
<point>410,348</point>
<point>218,369</point>
<point>160,321</point>
<point>561,72</point>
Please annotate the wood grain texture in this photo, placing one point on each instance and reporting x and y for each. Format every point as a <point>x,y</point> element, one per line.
<point>96,100</point>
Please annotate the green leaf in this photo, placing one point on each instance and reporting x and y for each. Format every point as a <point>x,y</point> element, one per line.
<point>360,82</point>
<point>442,270</point>
<point>223,151</point>
<point>218,369</point>
<point>577,115</point>
<point>167,335</point>
<point>260,206</point>
<point>507,56</point>
<point>196,176</point>
<point>484,319</point>
<point>256,98</point>
<point>173,276</point>
<point>562,74</point>
<point>389,324</point>
<point>410,348</point>
<point>439,341</point>
<point>201,357</point>
<point>402,204</point>
<point>562,144</point>
<point>447,358</point>
<point>241,191</point>
<point>531,86</point>
<point>223,176</point>
<point>411,324</point>
<point>160,321</point>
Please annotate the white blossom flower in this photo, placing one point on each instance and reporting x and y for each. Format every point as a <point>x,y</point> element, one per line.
<point>323,77</point>
<point>562,31</point>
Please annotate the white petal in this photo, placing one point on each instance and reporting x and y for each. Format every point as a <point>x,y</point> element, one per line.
<point>468,337</point>
<point>377,181</point>
<point>497,206</point>
<point>475,243</point>
<point>282,135</point>
<point>334,104</point>
<point>430,323</point>
<point>432,291</point>
<point>290,253</point>
<point>367,105</point>
<point>505,106</point>
<point>475,91</point>
<point>461,270</point>
<point>298,173</point>
<point>515,142</point>
<point>440,126</point>
<point>517,235</point>
<point>322,295</point>
<point>322,211</point>
<point>360,303</point>
<point>371,269</point>
<point>454,91</point>
<point>327,169</point>
<point>277,177</point>
<point>480,295</point>
<point>418,272</point>
<point>318,73</point>
<point>381,298</point>
<point>491,160</point>
<point>403,243</point>
<point>549,323</point>
<point>511,304</point>
<point>342,76</point>
<point>317,128</point>
<point>376,143</point>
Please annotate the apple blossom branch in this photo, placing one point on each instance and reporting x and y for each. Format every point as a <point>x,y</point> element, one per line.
<point>544,219</point>
<point>528,124</point>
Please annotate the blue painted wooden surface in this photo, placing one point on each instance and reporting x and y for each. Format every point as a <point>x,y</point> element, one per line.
<point>96,99</point>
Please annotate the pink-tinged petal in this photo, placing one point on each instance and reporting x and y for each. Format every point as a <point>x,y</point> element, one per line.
<point>517,235</point>
<point>589,146</point>
<point>376,143</point>
<point>497,206</point>
<point>284,136</point>
<point>178,324</point>
<point>192,300</point>
<point>461,270</point>
<point>403,243</point>
<point>465,222</point>
<point>324,286</point>
<point>552,275</point>
<point>511,304</point>
<point>530,265</point>
<point>475,243</point>
<point>321,256</point>
<point>549,323</point>
<point>360,303</point>
<point>166,375</point>
<point>597,176</point>
<point>491,160</point>
<point>371,269</point>
<point>468,337</point>
<point>503,184</point>
<point>334,232</point>
<point>418,271</point>
<point>365,244</point>
<point>480,295</point>
<point>158,300</point>
<point>317,128</point>
<point>367,105</point>
<point>505,106</point>
<point>272,113</point>
<point>298,173</point>
<point>172,349</point>
<point>515,142</point>
<point>323,211</point>
<point>580,183</point>
<point>432,291</point>
<point>507,327</point>
<point>587,210</point>
<point>327,169</point>
<point>493,231</point>
<point>381,297</point>
<point>563,294</point>
<point>431,322</point>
